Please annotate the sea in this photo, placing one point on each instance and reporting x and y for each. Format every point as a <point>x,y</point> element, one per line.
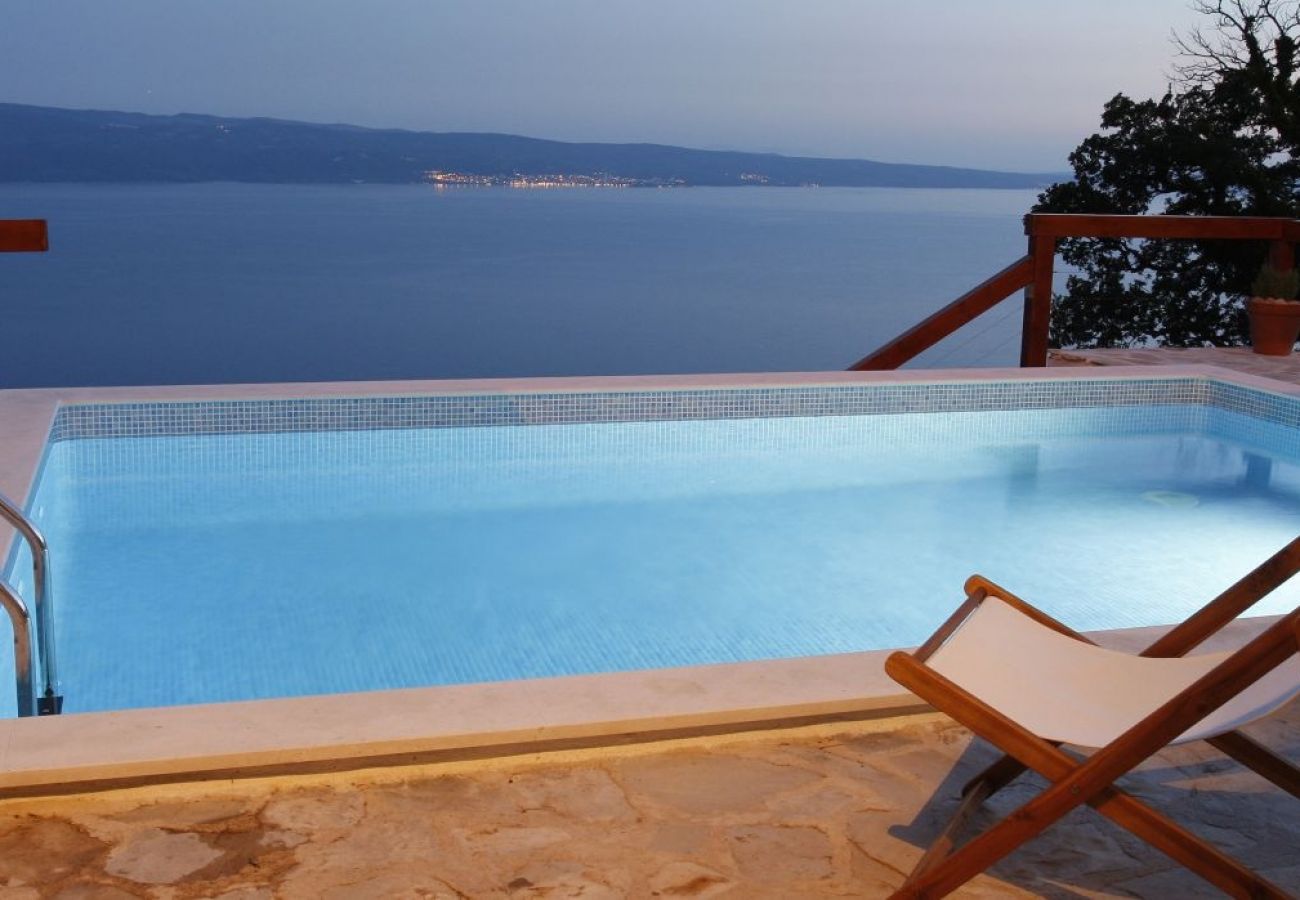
<point>223,283</point>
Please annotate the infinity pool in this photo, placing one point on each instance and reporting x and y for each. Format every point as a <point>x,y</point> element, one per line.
<point>203,562</point>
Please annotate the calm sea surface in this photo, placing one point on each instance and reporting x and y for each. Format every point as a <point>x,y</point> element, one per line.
<point>241,283</point>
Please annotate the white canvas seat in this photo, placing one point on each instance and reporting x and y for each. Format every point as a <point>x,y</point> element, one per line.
<point>1062,689</point>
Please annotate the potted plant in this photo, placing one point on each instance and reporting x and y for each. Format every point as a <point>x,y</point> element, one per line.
<point>1274,311</point>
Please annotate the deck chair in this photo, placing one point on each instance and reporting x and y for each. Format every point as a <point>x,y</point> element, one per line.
<point>1028,684</point>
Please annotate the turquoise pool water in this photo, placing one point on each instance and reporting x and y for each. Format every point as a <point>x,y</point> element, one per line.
<point>214,567</point>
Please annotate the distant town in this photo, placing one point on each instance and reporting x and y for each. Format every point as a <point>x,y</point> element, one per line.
<point>559,180</point>
<point>553,180</point>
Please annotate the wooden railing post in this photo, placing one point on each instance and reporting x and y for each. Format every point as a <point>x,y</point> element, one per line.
<point>1038,298</point>
<point>23,236</point>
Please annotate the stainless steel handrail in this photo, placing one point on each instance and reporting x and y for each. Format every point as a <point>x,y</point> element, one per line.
<point>22,622</point>
<point>50,701</point>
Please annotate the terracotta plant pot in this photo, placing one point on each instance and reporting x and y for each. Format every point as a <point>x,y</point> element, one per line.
<point>1274,325</point>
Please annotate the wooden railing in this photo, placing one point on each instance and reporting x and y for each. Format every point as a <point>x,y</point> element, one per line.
<point>23,236</point>
<point>1033,273</point>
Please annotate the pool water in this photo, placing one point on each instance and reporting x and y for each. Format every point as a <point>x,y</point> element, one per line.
<point>221,567</point>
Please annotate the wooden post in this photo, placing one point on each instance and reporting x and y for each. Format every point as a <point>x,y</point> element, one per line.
<point>23,236</point>
<point>1038,300</point>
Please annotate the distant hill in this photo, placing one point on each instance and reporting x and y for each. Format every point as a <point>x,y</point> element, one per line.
<point>43,144</point>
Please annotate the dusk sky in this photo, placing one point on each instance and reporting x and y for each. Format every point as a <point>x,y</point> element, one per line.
<point>1011,84</point>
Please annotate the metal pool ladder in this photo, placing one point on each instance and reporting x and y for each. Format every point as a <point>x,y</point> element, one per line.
<point>49,702</point>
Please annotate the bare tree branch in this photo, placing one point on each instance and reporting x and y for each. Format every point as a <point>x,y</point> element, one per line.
<point>1241,34</point>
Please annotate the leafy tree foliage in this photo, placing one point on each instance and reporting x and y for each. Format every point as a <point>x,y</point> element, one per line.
<point>1223,140</point>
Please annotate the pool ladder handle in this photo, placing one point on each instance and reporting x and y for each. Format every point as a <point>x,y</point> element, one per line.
<point>21,619</point>
<point>50,701</point>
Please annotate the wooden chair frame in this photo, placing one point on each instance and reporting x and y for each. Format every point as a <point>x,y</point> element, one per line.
<point>944,867</point>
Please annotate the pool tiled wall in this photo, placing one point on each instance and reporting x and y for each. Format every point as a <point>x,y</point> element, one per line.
<point>454,411</point>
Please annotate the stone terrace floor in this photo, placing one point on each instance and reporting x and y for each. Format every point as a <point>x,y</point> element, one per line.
<point>1242,359</point>
<point>826,811</point>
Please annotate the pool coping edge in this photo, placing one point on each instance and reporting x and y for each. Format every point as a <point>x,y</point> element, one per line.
<point>339,732</point>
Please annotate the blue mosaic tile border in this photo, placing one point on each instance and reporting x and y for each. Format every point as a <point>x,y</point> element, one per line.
<point>1274,408</point>
<point>105,420</point>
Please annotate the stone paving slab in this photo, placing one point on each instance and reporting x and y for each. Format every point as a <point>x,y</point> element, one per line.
<point>1239,359</point>
<point>832,810</point>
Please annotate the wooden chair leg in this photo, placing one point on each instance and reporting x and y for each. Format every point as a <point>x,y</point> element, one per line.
<point>1259,759</point>
<point>997,776</point>
<point>951,871</point>
<point>992,779</point>
<point>979,789</point>
<point>973,795</point>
